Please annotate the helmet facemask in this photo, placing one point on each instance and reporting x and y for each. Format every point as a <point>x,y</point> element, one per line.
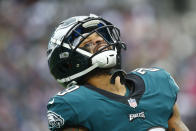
<point>84,29</point>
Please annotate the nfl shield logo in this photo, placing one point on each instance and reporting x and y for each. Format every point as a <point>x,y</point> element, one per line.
<point>132,103</point>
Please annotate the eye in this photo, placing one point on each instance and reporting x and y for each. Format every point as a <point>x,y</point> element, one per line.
<point>88,44</point>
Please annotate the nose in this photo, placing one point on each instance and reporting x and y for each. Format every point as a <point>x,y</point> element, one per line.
<point>97,40</point>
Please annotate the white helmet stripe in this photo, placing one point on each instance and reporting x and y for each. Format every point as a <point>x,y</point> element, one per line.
<point>51,52</point>
<point>68,46</point>
<point>78,50</point>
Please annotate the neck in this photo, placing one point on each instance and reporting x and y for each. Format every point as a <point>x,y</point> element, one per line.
<point>103,82</point>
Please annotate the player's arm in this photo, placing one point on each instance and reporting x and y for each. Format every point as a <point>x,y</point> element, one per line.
<point>175,123</point>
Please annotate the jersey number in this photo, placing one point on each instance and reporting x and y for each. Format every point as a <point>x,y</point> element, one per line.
<point>144,70</point>
<point>157,129</point>
<point>69,89</point>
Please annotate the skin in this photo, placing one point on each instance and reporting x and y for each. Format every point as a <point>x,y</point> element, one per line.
<point>93,43</point>
<point>175,123</point>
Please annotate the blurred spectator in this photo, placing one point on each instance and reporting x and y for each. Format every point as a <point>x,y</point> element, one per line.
<point>155,36</point>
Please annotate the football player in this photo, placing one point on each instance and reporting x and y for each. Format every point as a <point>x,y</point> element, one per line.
<point>84,55</point>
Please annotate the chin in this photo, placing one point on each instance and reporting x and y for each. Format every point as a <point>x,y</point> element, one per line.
<point>95,73</point>
<point>99,71</point>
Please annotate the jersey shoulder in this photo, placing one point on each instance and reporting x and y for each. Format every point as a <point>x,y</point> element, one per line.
<point>69,95</point>
<point>156,77</point>
<point>61,107</point>
<point>151,72</point>
<point>160,93</point>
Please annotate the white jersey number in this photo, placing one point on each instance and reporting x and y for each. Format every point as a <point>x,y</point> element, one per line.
<point>157,129</point>
<point>144,70</point>
<point>67,90</point>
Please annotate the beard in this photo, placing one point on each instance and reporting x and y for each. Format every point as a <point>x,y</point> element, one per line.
<point>95,73</point>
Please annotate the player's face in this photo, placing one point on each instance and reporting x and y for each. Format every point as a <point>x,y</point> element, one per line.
<point>94,43</point>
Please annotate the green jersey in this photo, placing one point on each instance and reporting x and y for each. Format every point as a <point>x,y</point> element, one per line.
<point>148,105</point>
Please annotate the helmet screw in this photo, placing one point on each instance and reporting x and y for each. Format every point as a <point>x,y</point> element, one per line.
<point>77,65</point>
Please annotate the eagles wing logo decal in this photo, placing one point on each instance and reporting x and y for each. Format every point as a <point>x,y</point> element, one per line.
<point>54,120</point>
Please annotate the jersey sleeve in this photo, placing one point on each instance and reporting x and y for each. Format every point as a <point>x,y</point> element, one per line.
<point>60,114</point>
<point>174,87</point>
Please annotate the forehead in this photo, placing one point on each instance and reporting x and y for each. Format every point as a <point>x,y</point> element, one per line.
<point>92,36</point>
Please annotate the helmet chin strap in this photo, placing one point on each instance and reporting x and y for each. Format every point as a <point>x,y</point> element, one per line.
<point>67,79</point>
<point>106,59</point>
<point>119,72</point>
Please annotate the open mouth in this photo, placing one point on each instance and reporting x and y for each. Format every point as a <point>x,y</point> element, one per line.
<point>101,47</point>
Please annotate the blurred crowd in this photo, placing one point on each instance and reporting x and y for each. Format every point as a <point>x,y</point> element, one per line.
<point>157,33</point>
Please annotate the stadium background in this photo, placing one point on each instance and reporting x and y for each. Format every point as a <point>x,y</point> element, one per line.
<point>157,32</point>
